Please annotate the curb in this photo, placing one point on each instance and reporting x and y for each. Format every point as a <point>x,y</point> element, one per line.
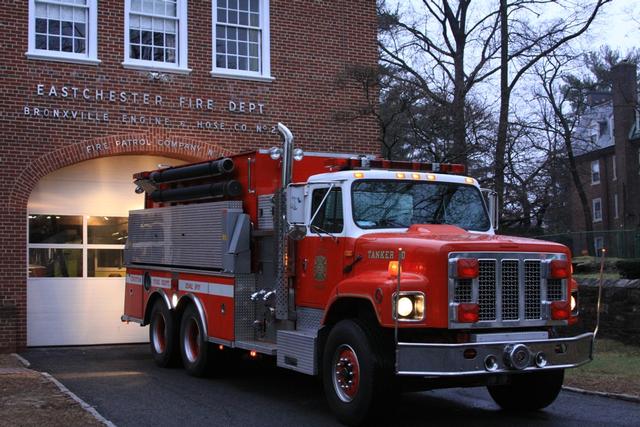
<point>84,405</point>
<point>619,396</point>
<point>22,360</point>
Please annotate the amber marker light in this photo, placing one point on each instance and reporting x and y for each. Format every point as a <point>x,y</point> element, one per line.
<point>358,175</point>
<point>470,180</point>
<point>415,175</point>
<point>394,268</point>
<point>253,353</point>
<point>400,175</point>
<point>431,177</point>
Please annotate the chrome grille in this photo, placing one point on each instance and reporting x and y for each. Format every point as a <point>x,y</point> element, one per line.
<point>511,287</point>
<point>487,289</point>
<point>532,290</point>
<point>463,291</point>
<point>554,290</point>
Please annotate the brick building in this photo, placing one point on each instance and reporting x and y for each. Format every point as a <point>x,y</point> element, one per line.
<point>608,144</point>
<point>95,90</point>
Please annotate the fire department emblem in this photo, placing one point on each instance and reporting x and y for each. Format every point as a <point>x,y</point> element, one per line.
<point>320,268</point>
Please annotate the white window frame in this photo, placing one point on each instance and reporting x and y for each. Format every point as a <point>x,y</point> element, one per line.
<point>182,53</point>
<point>596,217</point>
<point>265,48</point>
<point>616,213</point>
<point>614,169</point>
<point>91,55</point>
<point>84,246</point>
<point>595,168</point>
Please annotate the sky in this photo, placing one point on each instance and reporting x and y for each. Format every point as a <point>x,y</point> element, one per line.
<point>618,26</point>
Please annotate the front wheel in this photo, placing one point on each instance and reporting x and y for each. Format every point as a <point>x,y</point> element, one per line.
<point>194,347</point>
<point>528,391</point>
<point>352,374</point>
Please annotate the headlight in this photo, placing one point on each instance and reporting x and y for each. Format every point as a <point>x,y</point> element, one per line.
<point>408,306</point>
<point>574,303</point>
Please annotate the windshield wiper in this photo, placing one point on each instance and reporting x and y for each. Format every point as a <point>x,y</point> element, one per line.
<point>317,230</point>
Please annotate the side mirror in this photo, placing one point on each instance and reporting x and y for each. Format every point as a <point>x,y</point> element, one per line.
<point>296,217</point>
<point>491,198</point>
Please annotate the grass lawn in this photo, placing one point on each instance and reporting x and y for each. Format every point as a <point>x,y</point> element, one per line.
<point>614,369</point>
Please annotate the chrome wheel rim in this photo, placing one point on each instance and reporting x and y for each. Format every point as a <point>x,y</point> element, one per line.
<point>346,373</point>
<point>192,340</point>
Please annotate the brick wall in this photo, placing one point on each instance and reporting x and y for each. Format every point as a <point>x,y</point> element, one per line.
<point>312,44</point>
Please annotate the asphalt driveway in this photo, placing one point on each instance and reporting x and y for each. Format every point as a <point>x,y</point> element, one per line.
<point>126,387</point>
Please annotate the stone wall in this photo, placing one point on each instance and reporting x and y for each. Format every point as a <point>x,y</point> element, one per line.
<point>620,309</point>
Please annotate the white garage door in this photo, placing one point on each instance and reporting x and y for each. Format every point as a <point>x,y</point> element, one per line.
<point>77,230</point>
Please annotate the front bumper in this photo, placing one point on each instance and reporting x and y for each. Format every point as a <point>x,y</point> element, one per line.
<point>448,360</point>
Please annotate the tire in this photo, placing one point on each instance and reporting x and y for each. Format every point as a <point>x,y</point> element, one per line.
<point>352,374</point>
<point>194,347</point>
<point>528,391</point>
<point>162,335</point>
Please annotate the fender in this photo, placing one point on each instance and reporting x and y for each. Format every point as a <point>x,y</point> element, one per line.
<point>365,286</point>
<point>163,296</point>
<point>201,312</point>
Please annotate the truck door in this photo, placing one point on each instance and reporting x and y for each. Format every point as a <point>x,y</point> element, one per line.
<point>319,260</point>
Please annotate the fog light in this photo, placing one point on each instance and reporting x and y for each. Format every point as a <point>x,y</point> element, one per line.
<point>491,363</point>
<point>541,360</point>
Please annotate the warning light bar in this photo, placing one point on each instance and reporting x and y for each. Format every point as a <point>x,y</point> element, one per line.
<point>366,163</point>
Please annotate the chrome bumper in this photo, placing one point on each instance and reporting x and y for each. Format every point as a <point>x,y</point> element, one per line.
<point>447,360</point>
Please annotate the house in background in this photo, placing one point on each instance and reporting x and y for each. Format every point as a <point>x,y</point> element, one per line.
<point>608,159</point>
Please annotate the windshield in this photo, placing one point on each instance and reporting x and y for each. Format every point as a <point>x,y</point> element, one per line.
<point>398,204</point>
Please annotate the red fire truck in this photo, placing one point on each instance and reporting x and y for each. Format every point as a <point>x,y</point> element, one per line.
<point>369,273</point>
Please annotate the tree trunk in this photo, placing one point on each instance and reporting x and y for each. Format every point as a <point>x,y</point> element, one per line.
<point>584,201</point>
<point>503,119</point>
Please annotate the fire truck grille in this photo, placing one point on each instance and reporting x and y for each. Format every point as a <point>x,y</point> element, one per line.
<point>554,290</point>
<point>508,288</point>
<point>532,290</point>
<point>487,290</point>
<point>464,291</point>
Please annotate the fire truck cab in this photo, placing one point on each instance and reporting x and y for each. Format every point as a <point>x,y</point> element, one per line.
<point>363,271</point>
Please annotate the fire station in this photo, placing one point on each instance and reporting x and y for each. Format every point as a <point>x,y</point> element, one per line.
<point>96,90</point>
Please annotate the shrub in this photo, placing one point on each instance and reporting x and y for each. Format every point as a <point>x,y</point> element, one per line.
<point>629,268</point>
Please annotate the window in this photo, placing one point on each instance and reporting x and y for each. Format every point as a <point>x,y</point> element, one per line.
<point>76,246</point>
<point>241,39</point>
<point>603,127</point>
<point>615,206</point>
<point>597,209</point>
<point>614,168</point>
<point>595,172</point>
<point>329,218</point>
<point>156,35</point>
<point>63,30</point>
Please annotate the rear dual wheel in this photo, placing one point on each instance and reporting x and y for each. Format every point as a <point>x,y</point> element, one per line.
<point>162,335</point>
<point>194,347</point>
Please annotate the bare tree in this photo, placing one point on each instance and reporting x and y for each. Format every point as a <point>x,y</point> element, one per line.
<point>523,45</point>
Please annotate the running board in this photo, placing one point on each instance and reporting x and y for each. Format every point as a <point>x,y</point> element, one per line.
<point>259,346</point>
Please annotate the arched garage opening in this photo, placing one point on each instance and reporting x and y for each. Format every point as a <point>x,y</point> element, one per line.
<point>77,227</point>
